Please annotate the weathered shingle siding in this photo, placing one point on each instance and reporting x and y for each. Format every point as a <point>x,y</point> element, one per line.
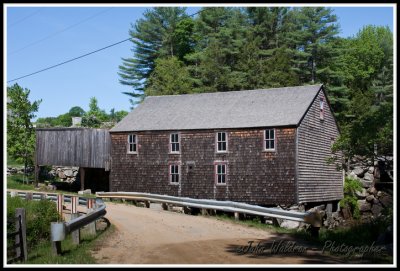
<point>317,181</point>
<point>254,176</point>
<point>73,147</point>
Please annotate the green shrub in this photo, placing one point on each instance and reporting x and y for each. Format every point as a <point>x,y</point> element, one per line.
<point>39,215</point>
<point>351,186</point>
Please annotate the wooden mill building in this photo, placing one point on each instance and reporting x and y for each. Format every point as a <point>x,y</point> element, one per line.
<point>265,147</point>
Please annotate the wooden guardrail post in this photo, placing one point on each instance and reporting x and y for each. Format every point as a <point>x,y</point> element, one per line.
<point>20,239</point>
<point>91,227</point>
<point>315,220</point>
<point>237,216</point>
<point>60,205</point>
<point>28,196</point>
<point>74,214</point>
<point>76,235</point>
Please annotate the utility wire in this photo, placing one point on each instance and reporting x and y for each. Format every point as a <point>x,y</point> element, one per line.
<point>23,19</point>
<point>60,31</point>
<point>76,58</point>
<point>70,60</point>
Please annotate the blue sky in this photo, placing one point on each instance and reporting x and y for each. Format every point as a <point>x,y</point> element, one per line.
<point>40,36</point>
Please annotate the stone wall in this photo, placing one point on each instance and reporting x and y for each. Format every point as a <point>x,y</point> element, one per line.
<point>65,174</point>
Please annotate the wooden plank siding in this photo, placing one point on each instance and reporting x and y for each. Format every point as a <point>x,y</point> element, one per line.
<point>79,147</point>
<point>253,175</point>
<point>317,181</point>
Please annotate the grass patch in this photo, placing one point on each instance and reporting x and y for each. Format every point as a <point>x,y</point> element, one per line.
<point>71,253</point>
<point>11,162</point>
<point>16,181</point>
<point>39,215</point>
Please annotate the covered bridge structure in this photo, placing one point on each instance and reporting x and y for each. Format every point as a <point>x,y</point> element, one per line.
<point>86,148</point>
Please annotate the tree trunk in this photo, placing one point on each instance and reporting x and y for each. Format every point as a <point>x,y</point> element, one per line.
<point>25,166</point>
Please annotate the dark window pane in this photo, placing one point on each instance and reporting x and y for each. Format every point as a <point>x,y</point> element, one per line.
<point>272,145</point>
<point>223,136</point>
<point>134,147</point>
<point>222,178</point>
<point>223,169</point>
<point>223,146</point>
<point>272,134</point>
<point>177,147</point>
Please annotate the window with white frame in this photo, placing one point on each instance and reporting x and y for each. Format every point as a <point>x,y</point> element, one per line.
<point>269,139</point>
<point>132,143</point>
<point>220,173</point>
<point>174,143</point>
<point>222,142</point>
<point>174,174</point>
<point>321,108</point>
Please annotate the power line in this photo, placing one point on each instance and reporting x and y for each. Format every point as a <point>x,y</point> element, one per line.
<point>76,58</point>
<point>58,32</point>
<point>70,60</point>
<point>26,17</point>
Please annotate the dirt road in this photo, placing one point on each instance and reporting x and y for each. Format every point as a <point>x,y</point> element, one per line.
<point>154,236</point>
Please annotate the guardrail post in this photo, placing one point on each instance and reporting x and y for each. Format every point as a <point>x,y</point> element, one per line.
<point>57,235</point>
<point>204,211</point>
<point>237,216</point>
<point>89,203</point>
<point>14,194</point>
<point>91,227</point>
<point>164,206</point>
<point>74,204</point>
<point>76,235</point>
<point>60,204</point>
<point>43,196</point>
<point>74,214</point>
<point>147,203</point>
<point>28,196</point>
<point>20,239</point>
<point>315,219</point>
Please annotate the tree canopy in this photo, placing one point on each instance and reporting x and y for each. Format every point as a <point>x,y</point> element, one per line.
<point>20,131</point>
<point>229,49</point>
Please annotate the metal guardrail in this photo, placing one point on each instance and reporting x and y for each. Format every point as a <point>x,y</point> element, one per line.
<point>49,196</point>
<point>59,230</point>
<point>227,206</point>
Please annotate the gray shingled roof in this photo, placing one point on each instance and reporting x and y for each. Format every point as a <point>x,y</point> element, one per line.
<point>235,109</point>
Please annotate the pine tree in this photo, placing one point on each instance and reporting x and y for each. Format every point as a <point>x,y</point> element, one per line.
<point>153,37</point>
<point>317,27</point>
<point>220,35</point>
<point>169,77</point>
